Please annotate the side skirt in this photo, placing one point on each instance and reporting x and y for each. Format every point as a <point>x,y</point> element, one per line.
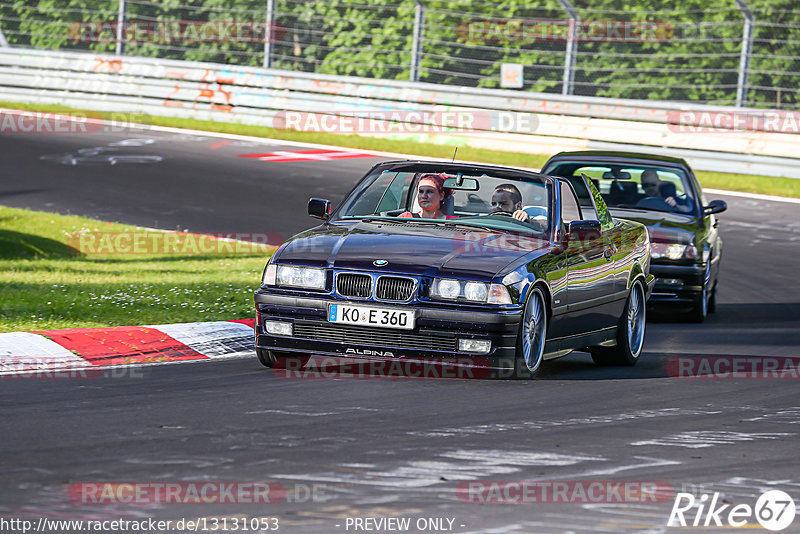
<point>554,348</point>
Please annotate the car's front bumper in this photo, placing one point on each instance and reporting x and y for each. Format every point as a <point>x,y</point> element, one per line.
<point>434,337</point>
<point>678,286</point>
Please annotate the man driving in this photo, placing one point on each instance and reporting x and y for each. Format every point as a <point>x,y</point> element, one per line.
<point>507,198</point>
<point>654,188</point>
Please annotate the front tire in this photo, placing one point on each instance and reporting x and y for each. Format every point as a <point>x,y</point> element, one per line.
<point>701,307</point>
<point>532,336</point>
<point>630,332</point>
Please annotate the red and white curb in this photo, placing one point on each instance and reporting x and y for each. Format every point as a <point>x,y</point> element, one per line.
<point>80,348</point>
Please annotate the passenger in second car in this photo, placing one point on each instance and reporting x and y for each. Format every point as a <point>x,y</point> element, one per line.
<point>431,197</point>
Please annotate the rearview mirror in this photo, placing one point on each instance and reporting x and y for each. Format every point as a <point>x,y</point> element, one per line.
<point>715,206</point>
<point>467,184</point>
<point>319,208</point>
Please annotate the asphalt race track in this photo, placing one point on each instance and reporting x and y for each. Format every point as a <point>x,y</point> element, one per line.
<point>380,448</point>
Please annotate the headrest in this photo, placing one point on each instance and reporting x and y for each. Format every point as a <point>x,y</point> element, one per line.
<point>668,189</point>
<point>447,205</point>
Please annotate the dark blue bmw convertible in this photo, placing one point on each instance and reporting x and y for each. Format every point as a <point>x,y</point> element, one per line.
<point>426,261</point>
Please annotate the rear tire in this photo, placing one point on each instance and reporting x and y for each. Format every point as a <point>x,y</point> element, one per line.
<point>532,336</point>
<point>266,357</point>
<point>630,332</point>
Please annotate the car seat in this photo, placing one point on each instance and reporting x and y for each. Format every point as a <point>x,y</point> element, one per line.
<point>668,189</point>
<point>447,205</point>
<point>622,193</point>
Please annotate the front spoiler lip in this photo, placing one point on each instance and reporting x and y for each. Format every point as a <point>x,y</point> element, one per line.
<point>461,360</point>
<point>310,347</point>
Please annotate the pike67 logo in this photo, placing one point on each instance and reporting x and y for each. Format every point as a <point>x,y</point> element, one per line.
<point>774,510</point>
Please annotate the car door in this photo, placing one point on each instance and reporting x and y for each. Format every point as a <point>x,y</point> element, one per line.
<point>591,277</point>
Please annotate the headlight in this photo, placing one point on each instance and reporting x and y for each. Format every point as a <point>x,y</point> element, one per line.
<point>673,251</point>
<point>443,288</point>
<point>476,291</point>
<point>270,275</point>
<point>446,289</point>
<point>307,277</point>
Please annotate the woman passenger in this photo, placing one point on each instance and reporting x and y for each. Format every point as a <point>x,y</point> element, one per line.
<point>431,196</point>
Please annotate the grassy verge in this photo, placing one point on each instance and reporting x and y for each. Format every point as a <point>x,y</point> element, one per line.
<point>46,283</point>
<point>766,185</point>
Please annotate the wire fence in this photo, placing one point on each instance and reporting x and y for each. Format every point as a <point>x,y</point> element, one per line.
<point>730,52</point>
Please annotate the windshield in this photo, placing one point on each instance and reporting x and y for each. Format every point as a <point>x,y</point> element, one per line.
<point>474,199</point>
<point>633,186</point>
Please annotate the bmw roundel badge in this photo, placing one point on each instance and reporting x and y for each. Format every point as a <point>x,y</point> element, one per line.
<point>380,263</point>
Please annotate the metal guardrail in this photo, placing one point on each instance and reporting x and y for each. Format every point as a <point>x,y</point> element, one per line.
<point>256,96</point>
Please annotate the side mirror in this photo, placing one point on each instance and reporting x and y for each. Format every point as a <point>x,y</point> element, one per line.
<point>319,208</point>
<point>715,206</point>
<point>583,230</point>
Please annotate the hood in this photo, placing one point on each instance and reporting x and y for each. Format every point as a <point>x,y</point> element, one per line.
<point>409,248</point>
<point>663,226</point>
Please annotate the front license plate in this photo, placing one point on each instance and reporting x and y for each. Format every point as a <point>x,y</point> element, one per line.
<point>368,316</point>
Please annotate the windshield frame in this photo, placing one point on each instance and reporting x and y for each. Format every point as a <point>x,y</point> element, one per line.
<point>483,221</point>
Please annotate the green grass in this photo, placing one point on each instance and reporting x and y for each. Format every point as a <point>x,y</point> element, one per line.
<point>765,185</point>
<point>768,185</point>
<point>46,283</point>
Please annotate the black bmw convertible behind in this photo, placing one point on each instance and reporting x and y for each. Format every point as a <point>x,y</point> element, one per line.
<point>662,193</point>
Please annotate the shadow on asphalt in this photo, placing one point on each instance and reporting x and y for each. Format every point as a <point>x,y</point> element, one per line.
<point>738,314</point>
<point>20,192</point>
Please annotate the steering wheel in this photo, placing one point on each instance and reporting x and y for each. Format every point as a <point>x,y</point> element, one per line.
<point>655,202</point>
<point>505,213</point>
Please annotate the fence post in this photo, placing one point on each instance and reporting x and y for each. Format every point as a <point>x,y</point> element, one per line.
<point>572,47</point>
<point>269,34</point>
<point>3,42</point>
<point>747,49</point>
<point>416,44</point>
<point>121,27</point>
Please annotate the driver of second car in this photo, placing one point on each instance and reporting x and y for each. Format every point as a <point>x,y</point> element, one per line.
<point>507,199</point>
